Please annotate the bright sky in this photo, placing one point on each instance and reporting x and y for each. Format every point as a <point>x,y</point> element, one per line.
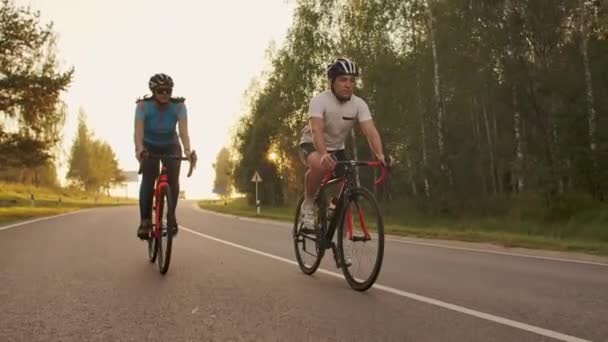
<point>211,48</point>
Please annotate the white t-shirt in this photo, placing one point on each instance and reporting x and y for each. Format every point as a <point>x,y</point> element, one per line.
<point>339,118</point>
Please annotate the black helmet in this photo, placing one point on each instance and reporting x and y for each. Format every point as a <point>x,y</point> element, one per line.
<point>160,80</point>
<point>342,66</point>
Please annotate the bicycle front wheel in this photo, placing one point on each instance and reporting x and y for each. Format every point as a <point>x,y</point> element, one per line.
<point>361,240</point>
<point>164,210</point>
<point>307,244</point>
<point>152,247</point>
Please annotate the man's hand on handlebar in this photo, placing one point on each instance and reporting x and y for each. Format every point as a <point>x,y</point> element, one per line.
<point>328,161</point>
<point>386,160</point>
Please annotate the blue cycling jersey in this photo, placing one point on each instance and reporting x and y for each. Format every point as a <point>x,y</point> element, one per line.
<point>159,124</point>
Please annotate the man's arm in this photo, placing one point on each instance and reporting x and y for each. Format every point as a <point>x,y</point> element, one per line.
<point>317,127</point>
<point>373,138</point>
<point>369,130</point>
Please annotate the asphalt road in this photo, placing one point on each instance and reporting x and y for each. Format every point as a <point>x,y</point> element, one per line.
<point>85,277</point>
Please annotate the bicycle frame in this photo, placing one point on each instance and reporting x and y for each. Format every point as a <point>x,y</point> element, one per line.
<point>161,182</point>
<point>346,181</point>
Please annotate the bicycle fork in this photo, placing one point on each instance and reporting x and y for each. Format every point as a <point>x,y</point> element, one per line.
<point>348,215</point>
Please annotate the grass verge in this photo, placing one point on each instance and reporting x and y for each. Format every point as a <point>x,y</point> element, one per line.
<point>577,234</point>
<point>16,205</point>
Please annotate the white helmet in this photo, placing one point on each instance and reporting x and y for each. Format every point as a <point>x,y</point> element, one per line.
<point>342,66</point>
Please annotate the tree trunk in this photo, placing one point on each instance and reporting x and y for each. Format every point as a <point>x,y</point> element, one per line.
<point>490,147</point>
<point>437,92</point>
<point>569,181</point>
<point>425,160</point>
<point>591,114</point>
<point>496,149</point>
<point>518,167</point>
<point>36,179</point>
<point>556,160</point>
<point>519,154</point>
<point>411,173</point>
<point>478,157</point>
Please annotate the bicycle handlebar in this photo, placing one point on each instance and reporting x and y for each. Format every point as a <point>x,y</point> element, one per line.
<point>146,154</point>
<point>379,164</point>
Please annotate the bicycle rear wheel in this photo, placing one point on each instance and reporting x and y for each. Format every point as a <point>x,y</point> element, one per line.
<point>164,241</point>
<point>361,240</point>
<point>307,243</point>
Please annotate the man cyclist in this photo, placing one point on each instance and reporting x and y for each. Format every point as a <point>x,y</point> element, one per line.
<point>156,118</point>
<point>332,115</point>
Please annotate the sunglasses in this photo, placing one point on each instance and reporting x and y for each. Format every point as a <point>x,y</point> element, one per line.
<point>162,91</point>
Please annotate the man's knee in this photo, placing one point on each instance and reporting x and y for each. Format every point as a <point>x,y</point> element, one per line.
<point>314,162</point>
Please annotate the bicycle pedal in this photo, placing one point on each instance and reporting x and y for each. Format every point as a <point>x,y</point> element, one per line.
<point>339,265</point>
<point>308,230</point>
<point>360,238</point>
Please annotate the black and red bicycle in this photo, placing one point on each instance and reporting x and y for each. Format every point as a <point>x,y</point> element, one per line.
<point>160,240</point>
<point>355,214</point>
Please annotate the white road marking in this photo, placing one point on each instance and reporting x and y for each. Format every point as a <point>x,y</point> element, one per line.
<point>18,224</point>
<point>489,317</point>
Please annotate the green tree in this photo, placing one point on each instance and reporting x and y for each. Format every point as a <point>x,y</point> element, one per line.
<point>222,185</point>
<point>80,160</point>
<point>92,164</point>
<point>30,87</point>
<point>476,100</point>
<point>105,172</point>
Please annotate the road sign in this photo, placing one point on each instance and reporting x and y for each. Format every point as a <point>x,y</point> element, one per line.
<point>256,178</point>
